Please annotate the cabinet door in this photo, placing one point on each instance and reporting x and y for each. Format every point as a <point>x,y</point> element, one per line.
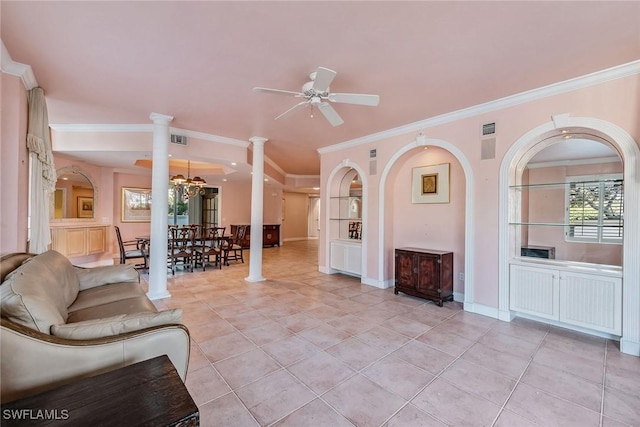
<point>405,270</point>
<point>76,242</point>
<point>534,291</point>
<point>96,240</point>
<point>428,274</point>
<point>591,301</point>
<point>337,256</point>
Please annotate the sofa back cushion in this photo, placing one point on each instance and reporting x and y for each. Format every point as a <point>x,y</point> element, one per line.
<point>38,293</point>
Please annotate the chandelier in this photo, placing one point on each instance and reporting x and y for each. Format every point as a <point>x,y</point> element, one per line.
<point>187,187</point>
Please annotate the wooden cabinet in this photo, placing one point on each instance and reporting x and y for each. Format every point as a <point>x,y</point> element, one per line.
<point>78,241</point>
<point>424,273</point>
<point>270,235</point>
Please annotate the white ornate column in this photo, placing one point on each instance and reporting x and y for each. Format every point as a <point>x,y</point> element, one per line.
<point>257,208</point>
<point>159,207</point>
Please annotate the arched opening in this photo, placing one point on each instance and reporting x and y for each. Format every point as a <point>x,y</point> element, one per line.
<point>593,291</point>
<point>346,220</point>
<point>398,173</point>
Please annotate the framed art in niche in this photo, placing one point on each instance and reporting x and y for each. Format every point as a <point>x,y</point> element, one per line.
<point>430,184</point>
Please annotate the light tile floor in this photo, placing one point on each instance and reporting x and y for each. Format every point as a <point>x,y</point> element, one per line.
<point>309,349</point>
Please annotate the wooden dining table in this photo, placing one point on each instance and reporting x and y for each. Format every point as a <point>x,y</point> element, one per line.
<point>146,240</point>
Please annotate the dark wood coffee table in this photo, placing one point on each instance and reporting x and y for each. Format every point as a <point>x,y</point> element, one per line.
<point>148,393</point>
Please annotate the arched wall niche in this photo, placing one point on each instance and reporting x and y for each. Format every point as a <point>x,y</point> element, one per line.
<point>70,171</point>
<point>386,249</point>
<point>513,164</point>
<point>339,186</point>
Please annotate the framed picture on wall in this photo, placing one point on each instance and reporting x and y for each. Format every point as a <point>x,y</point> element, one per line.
<point>136,204</point>
<point>430,184</point>
<point>85,207</point>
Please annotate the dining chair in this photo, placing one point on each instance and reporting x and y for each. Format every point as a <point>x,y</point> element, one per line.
<point>210,243</point>
<point>181,248</point>
<point>140,250</point>
<point>232,247</point>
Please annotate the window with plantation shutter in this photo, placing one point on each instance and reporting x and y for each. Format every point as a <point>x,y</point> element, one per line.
<point>595,209</point>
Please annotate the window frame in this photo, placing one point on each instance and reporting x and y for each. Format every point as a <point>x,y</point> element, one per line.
<point>600,179</point>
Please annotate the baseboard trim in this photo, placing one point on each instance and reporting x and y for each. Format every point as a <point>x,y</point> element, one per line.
<point>483,310</point>
<point>630,347</point>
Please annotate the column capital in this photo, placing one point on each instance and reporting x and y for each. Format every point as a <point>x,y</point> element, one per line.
<point>160,119</point>
<point>258,140</point>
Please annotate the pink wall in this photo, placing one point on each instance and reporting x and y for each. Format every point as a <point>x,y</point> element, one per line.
<point>296,214</point>
<point>15,165</point>
<point>615,101</point>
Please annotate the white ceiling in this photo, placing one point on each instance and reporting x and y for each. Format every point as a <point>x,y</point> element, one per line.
<point>116,62</point>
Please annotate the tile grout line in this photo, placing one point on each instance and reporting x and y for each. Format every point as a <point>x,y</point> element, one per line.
<point>604,379</point>
<point>436,376</point>
<point>533,355</point>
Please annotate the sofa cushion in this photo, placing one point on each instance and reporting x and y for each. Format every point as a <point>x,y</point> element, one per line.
<point>38,292</point>
<point>99,276</point>
<point>134,305</point>
<point>116,325</point>
<point>105,294</point>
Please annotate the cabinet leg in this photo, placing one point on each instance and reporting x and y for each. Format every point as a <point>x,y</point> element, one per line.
<point>395,291</point>
<point>440,303</point>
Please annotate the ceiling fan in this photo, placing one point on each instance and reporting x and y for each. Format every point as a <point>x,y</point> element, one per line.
<point>316,93</point>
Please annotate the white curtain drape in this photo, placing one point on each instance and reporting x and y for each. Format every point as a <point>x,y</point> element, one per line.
<point>43,171</point>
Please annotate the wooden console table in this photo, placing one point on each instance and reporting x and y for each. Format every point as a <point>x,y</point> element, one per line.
<point>148,393</point>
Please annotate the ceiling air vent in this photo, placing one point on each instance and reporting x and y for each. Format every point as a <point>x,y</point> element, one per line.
<point>488,129</point>
<point>178,139</point>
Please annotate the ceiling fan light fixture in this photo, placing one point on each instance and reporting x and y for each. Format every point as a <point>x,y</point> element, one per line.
<point>317,92</point>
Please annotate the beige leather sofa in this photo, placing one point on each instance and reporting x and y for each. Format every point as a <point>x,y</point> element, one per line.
<point>61,322</point>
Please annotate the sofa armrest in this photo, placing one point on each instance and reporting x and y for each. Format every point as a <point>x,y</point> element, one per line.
<point>98,276</point>
<point>33,362</point>
<point>116,325</point>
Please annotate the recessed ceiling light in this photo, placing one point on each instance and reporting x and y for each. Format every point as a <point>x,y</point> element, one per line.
<point>224,179</point>
<point>316,188</point>
<point>233,163</point>
<point>170,155</point>
<point>266,179</point>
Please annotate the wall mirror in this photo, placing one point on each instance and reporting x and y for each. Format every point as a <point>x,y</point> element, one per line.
<point>75,196</point>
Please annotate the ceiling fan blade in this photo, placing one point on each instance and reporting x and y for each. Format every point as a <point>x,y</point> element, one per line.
<point>292,109</point>
<point>330,114</point>
<point>277,91</point>
<point>324,77</point>
<point>355,98</point>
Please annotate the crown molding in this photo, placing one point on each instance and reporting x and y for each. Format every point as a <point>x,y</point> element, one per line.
<point>598,77</point>
<point>294,176</point>
<point>25,72</point>
<point>274,165</point>
<point>58,127</point>
<point>103,127</point>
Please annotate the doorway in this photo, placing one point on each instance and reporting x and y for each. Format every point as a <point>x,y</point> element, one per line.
<point>314,217</point>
